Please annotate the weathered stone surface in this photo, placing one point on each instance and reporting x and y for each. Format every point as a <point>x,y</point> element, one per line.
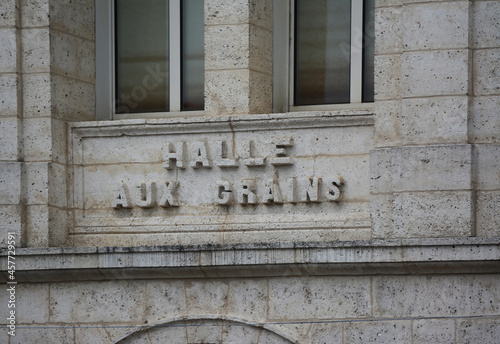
<point>487,75</point>
<point>323,298</point>
<point>10,97</point>
<point>35,13</point>
<point>437,72</point>
<point>388,77</point>
<point>8,51</point>
<point>488,216</point>
<point>478,331</point>
<point>434,296</point>
<point>9,141</point>
<point>36,95</point>
<point>485,124</point>
<point>433,214</point>
<point>35,50</point>
<point>433,331</point>
<point>97,302</point>
<point>434,120</point>
<point>378,332</point>
<point>486,28</point>
<point>10,183</point>
<point>443,25</point>
<point>388,30</point>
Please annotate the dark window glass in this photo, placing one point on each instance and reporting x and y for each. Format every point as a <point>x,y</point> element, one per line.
<point>142,56</point>
<point>193,64</point>
<point>368,49</point>
<point>322,52</point>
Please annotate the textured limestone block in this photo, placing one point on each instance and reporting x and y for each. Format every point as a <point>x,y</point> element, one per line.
<point>58,224</point>
<point>388,30</point>
<point>433,214</point>
<point>9,138</point>
<point>86,60</point>
<point>486,72</point>
<point>55,334</point>
<point>9,101</point>
<point>486,26</point>
<point>37,225</point>
<point>75,17</point>
<point>387,77</point>
<point>433,331</point>
<point>442,295</point>
<point>442,25</point>
<point>165,299</point>
<point>10,183</point>
<point>247,298</point>
<point>387,123</point>
<point>485,123</point>
<point>37,139</point>
<point>446,167</point>
<point>73,100</point>
<point>257,12</point>
<point>10,222</point>
<point>487,158</point>
<point>437,72</point>
<point>97,301</point>
<point>325,333</point>
<point>485,331</point>
<point>321,298</point>
<point>378,332</point>
<point>63,54</point>
<point>488,214</point>
<point>35,50</point>
<point>206,297</point>
<point>37,181</point>
<point>35,13</point>
<point>381,162</point>
<point>434,120</point>
<point>381,215</point>
<point>8,13</point>
<point>237,92</point>
<point>8,51</point>
<point>32,303</point>
<point>36,95</point>
<point>387,3</point>
<point>59,141</point>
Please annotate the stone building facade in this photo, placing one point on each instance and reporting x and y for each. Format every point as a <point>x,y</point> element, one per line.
<point>253,220</point>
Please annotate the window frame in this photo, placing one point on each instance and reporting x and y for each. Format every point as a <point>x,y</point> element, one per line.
<point>283,73</point>
<point>105,65</point>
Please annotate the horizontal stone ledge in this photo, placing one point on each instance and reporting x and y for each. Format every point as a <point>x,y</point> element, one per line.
<point>374,257</point>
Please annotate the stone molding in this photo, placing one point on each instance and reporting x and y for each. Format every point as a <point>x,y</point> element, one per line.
<point>375,257</point>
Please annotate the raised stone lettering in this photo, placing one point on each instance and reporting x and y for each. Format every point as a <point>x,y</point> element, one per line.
<point>272,192</point>
<point>168,197</point>
<point>308,189</point>
<point>200,156</point>
<point>177,155</point>
<point>121,198</point>
<point>223,192</point>
<point>280,152</point>
<point>246,192</point>
<point>333,185</point>
<point>250,160</point>
<point>222,159</point>
<point>145,195</point>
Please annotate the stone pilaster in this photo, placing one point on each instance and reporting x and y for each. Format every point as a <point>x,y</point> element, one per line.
<point>422,167</point>
<point>238,57</point>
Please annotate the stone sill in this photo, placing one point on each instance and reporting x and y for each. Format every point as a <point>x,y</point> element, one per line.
<point>375,257</point>
<point>289,120</point>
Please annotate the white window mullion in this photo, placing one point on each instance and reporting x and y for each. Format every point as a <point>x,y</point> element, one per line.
<point>175,54</point>
<point>105,97</point>
<point>356,51</point>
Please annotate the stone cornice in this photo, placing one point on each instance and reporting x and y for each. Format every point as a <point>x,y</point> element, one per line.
<point>386,257</point>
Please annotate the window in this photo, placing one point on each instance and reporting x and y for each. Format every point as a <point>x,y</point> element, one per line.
<point>150,57</point>
<point>329,48</point>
